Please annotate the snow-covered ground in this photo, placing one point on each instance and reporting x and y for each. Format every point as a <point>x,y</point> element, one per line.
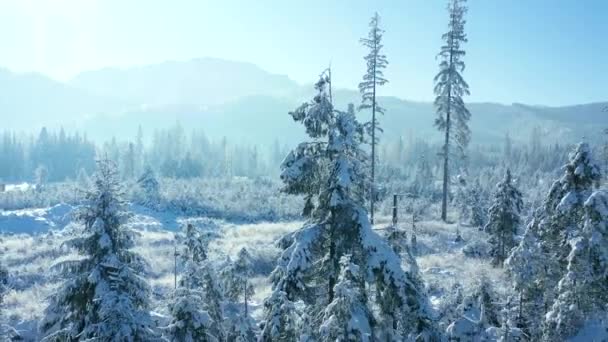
<point>30,257</point>
<point>18,187</point>
<point>35,220</point>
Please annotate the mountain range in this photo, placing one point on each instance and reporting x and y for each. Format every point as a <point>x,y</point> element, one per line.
<point>244,102</point>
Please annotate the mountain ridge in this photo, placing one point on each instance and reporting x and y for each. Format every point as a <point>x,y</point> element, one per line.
<point>239,98</point>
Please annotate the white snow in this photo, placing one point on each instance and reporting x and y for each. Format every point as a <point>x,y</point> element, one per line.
<point>19,187</point>
<point>35,220</point>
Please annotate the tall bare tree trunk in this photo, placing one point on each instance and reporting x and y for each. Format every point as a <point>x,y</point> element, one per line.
<point>446,147</point>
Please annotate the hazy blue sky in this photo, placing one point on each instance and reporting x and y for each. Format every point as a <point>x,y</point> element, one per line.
<point>533,51</point>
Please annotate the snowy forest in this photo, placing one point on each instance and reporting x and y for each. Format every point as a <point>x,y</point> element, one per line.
<point>336,220</point>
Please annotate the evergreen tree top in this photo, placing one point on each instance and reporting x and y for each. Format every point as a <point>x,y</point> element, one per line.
<point>317,115</point>
<point>581,175</point>
<point>450,86</point>
<point>455,34</point>
<point>581,172</point>
<point>375,61</point>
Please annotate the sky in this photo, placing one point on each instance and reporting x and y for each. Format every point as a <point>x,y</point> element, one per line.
<point>549,52</point>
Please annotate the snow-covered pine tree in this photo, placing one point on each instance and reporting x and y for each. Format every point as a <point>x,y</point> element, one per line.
<point>347,317</point>
<point>235,279</point>
<point>150,188</point>
<point>541,260</point>
<point>213,299</point>
<point>310,156</point>
<point>525,266</point>
<point>237,289</point>
<point>583,291</point>
<point>196,313</point>
<point>561,217</point>
<point>504,219</point>
<point>195,245</point>
<point>104,295</point>
<point>190,322</point>
<point>308,268</point>
<point>486,301</point>
<point>374,77</point>
<point>280,318</point>
<point>478,215</point>
<point>450,86</point>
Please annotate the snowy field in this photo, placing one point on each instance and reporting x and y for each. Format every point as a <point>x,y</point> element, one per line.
<point>29,257</point>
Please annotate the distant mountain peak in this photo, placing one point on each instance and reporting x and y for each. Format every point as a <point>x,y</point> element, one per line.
<point>200,81</point>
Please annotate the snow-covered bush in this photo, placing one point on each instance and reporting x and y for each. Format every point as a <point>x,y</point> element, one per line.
<point>477,249</point>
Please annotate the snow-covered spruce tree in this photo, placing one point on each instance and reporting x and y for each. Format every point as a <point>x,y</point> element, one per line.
<point>316,116</point>
<point>504,219</point>
<point>190,322</point>
<point>213,299</point>
<point>280,318</point>
<point>237,289</point>
<point>196,313</point>
<point>526,266</point>
<point>308,268</point>
<point>583,291</point>
<point>347,317</point>
<point>478,215</point>
<point>104,296</point>
<point>195,245</point>
<point>150,188</point>
<point>540,261</point>
<point>561,217</point>
<point>235,279</point>
<point>453,116</point>
<point>374,77</point>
